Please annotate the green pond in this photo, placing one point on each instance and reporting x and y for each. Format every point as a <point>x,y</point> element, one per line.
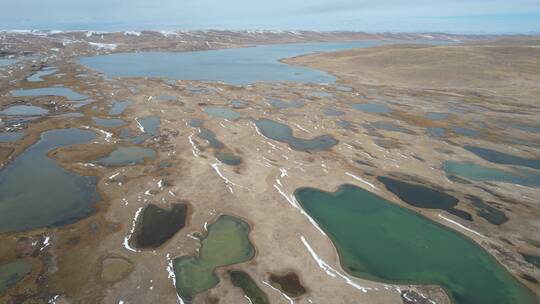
<point>227,243</point>
<point>35,191</point>
<point>125,156</point>
<point>379,240</point>
<point>12,273</point>
<point>480,173</point>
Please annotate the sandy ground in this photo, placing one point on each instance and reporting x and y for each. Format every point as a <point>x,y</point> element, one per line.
<point>407,79</point>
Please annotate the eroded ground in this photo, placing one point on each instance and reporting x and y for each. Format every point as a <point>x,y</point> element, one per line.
<point>92,260</point>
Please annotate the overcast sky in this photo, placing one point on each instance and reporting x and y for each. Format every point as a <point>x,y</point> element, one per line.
<point>456,16</point>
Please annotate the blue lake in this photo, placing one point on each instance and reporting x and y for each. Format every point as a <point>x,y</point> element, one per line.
<point>238,66</point>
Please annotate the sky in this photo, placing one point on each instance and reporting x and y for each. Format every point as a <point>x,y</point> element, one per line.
<point>451,16</point>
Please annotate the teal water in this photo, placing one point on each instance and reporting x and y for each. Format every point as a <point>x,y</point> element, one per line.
<point>238,66</point>
<point>23,110</point>
<point>50,91</point>
<point>222,112</point>
<point>125,156</point>
<point>35,191</point>
<point>475,172</point>
<point>283,133</point>
<point>504,158</point>
<point>379,240</point>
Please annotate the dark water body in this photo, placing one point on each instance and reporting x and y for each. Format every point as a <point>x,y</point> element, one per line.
<point>379,240</point>
<point>35,191</point>
<point>283,133</point>
<point>108,123</point>
<point>278,104</point>
<point>227,243</point>
<point>125,156</point>
<point>206,134</point>
<point>423,197</point>
<point>50,91</point>
<point>371,108</point>
<point>119,107</point>
<point>223,156</point>
<point>238,66</point>
<point>222,112</point>
<point>503,158</point>
<point>288,283</point>
<point>157,225</point>
<point>486,211</point>
<point>535,260</point>
<point>11,136</point>
<point>251,290</point>
<point>23,110</point>
<point>37,76</point>
<point>210,137</point>
<point>13,272</point>
<point>228,158</point>
<point>436,116</point>
<point>476,172</point>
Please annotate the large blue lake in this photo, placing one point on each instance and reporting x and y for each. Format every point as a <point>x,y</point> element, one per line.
<point>238,66</point>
